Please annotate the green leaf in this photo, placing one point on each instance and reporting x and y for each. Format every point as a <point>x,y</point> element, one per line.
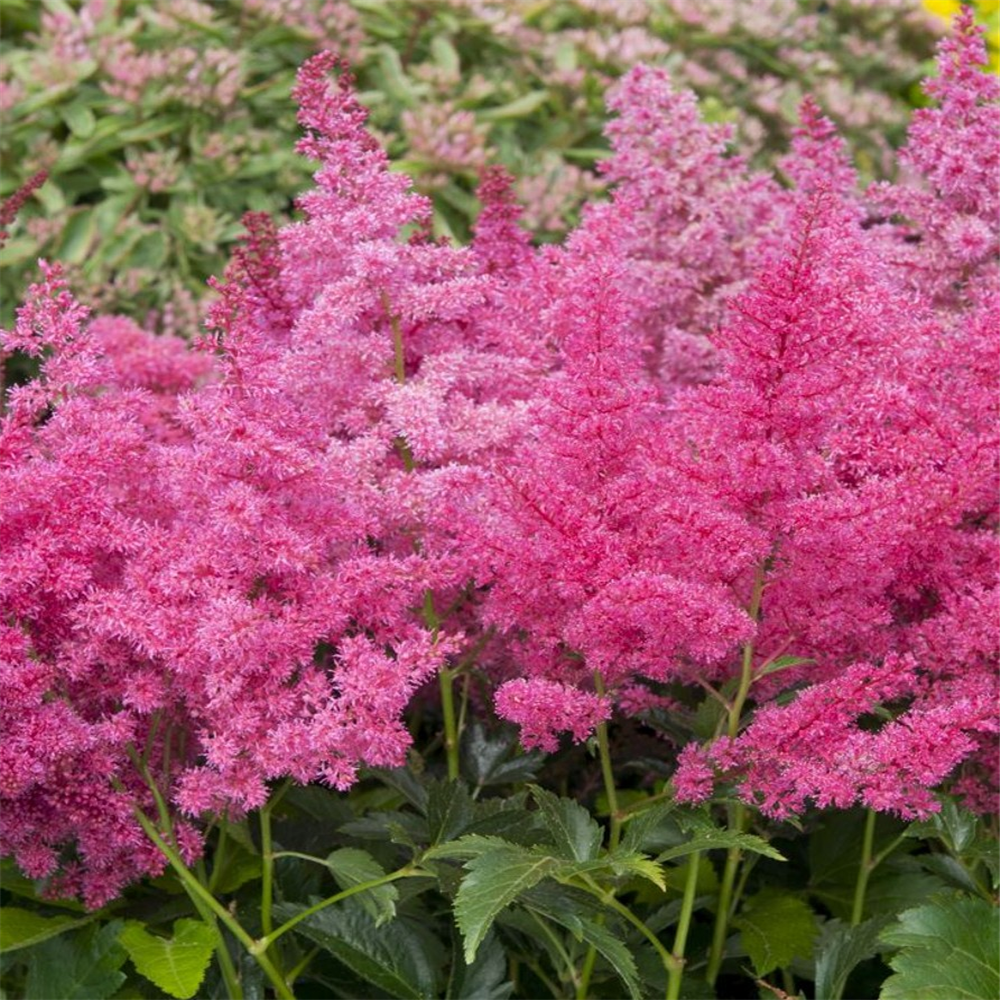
<point>494,881</point>
<point>487,760</point>
<point>78,237</point>
<point>351,866</point>
<point>81,966</point>
<point>403,963</point>
<point>899,883</point>
<point>150,251</point>
<point>403,781</point>
<point>834,855</point>
<point>178,964</point>
<point>781,663</point>
<point>156,127</point>
<point>520,108</point>
<point>473,845</point>
<point>839,949</point>
<point>449,810</point>
<point>637,864</point>
<point>954,825</point>
<point>239,866</point>
<point>646,830</point>
<point>11,880</point>
<point>486,978</point>
<point>22,928</point>
<point>395,82</point>
<point>776,928</point>
<point>80,119</point>
<point>710,839</point>
<point>445,55</point>
<point>614,951</point>
<point>574,831</point>
<point>948,951</point>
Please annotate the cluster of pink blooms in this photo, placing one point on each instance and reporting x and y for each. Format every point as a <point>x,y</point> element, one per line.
<point>209,78</point>
<point>446,140</point>
<point>728,421</point>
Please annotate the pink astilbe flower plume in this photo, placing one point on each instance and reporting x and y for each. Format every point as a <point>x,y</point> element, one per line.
<point>186,536</point>
<point>728,421</point>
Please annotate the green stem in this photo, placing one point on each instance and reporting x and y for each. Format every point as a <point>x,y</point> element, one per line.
<point>199,894</point>
<point>607,772</point>
<point>737,814</point>
<point>234,989</point>
<point>733,857</point>
<point>445,679</point>
<point>229,974</point>
<point>864,872</point>
<point>299,854</point>
<point>267,873</point>
<point>608,899</point>
<point>259,947</point>
<point>398,357</point>
<point>303,965</point>
<point>630,812</point>
<point>746,671</point>
<point>683,926</point>
<point>217,860</point>
<point>583,987</point>
<point>267,862</point>
<point>615,830</point>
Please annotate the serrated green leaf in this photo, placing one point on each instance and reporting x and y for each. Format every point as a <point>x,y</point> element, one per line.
<point>948,951</point>
<point>493,881</point>
<point>177,965</point>
<point>950,870</point>
<point>486,978</point>
<point>709,839</point>
<point>149,252</point>
<point>839,949</point>
<point>351,866</point>
<point>403,781</point>
<point>449,810</point>
<point>566,906</point>
<point>637,864</point>
<point>403,963</point>
<point>646,830</point>
<point>472,845</point>
<point>574,831</point>
<point>85,965</point>
<point>23,928</point>
<point>954,825</point>
<point>776,928</point>
<point>487,759</point>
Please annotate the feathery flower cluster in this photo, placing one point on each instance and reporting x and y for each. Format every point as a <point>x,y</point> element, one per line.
<point>728,430</point>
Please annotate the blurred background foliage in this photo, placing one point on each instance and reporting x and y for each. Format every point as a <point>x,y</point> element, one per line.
<point>160,123</point>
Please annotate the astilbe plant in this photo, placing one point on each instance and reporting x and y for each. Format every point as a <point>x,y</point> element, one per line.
<point>820,508</point>
<point>234,565</point>
<point>209,571</point>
